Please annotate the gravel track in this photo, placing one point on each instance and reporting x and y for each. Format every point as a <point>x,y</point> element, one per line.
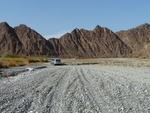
<point>77,89</point>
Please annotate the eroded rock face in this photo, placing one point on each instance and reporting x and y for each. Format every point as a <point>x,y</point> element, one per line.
<point>100,42</point>
<point>9,42</point>
<point>136,38</point>
<point>80,43</point>
<point>33,42</point>
<point>23,40</point>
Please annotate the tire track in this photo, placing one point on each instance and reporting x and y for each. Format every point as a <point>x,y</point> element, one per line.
<point>21,92</point>
<point>46,92</point>
<point>87,88</point>
<point>120,92</point>
<point>75,89</point>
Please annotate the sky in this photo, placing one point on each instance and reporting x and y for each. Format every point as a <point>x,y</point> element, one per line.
<point>53,18</point>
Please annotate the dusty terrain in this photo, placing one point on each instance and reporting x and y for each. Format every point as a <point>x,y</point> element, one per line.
<point>77,89</point>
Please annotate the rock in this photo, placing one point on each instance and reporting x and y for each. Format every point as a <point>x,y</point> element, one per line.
<point>33,42</point>
<point>138,39</point>
<point>100,42</point>
<point>80,43</point>
<point>9,42</point>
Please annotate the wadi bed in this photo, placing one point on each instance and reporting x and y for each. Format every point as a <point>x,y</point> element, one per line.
<point>97,88</point>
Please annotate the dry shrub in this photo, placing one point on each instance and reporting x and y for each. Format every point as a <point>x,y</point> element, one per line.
<point>37,59</point>
<point>133,62</point>
<point>43,60</point>
<point>31,60</point>
<point>10,64</point>
<point>1,64</point>
<point>12,61</point>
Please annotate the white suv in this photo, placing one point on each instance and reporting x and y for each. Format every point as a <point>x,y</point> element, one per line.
<point>56,61</point>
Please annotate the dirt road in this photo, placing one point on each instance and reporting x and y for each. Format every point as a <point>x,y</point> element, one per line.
<point>77,89</point>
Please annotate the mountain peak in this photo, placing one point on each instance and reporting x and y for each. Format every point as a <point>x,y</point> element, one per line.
<point>97,27</point>
<point>145,25</point>
<point>4,25</point>
<point>136,38</point>
<point>91,43</point>
<point>99,42</point>
<point>76,30</point>
<point>23,26</point>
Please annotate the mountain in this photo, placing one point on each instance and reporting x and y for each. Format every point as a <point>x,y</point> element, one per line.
<point>100,42</point>
<point>136,38</point>
<point>9,42</point>
<point>143,53</point>
<point>23,40</point>
<point>80,43</point>
<point>33,42</point>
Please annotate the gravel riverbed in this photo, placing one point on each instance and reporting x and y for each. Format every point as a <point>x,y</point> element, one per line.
<point>77,89</point>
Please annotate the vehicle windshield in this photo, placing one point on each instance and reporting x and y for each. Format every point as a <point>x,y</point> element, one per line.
<point>58,60</point>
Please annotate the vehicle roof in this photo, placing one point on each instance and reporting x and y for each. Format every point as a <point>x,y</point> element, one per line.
<point>56,58</point>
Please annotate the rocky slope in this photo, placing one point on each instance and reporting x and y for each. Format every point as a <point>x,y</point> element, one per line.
<point>100,42</point>
<point>137,38</point>
<point>9,42</point>
<point>23,40</point>
<point>33,42</point>
<point>143,53</point>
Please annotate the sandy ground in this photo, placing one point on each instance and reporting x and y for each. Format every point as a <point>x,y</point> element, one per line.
<point>77,89</point>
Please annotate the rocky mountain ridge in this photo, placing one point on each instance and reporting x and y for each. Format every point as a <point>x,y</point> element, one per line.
<point>23,40</point>
<point>137,39</point>
<point>100,42</point>
<point>9,42</point>
<point>33,42</point>
<point>80,43</point>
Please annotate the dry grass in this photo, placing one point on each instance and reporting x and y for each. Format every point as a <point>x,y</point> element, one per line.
<point>13,61</point>
<point>133,62</point>
<point>87,60</point>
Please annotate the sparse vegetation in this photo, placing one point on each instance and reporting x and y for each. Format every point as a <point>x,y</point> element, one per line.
<point>133,62</point>
<point>13,61</point>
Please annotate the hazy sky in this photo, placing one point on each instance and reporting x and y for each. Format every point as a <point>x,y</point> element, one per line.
<point>56,17</point>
